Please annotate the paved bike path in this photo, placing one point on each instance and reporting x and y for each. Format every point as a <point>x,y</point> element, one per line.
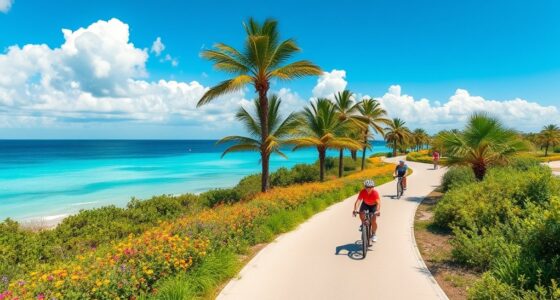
<point>321,259</point>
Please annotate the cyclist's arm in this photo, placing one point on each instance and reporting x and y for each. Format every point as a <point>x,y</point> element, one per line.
<point>356,203</point>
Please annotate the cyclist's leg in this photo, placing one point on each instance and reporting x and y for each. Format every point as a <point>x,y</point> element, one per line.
<point>373,219</point>
<point>404,182</point>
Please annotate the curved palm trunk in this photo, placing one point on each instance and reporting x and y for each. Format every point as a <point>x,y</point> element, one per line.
<point>394,148</point>
<point>322,154</point>
<point>546,150</point>
<point>341,163</point>
<point>262,89</point>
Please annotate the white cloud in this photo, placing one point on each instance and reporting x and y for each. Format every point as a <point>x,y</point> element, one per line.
<point>174,61</point>
<point>330,83</point>
<point>517,113</point>
<point>97,74</point>
<point>158,46</point>
<point>5,5</point>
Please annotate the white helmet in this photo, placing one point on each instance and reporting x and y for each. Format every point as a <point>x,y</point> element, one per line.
<point>369,183</point>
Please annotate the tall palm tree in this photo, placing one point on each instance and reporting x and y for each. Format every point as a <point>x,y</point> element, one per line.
<point>420,138</point>
<point>483,143</point>
<point>280,130</point>
<point>376,117</point>
<point>263,58</point>
<point>320,127</point>
<point>347,110</point>
<point>397,134</point>
<point>549,136</point>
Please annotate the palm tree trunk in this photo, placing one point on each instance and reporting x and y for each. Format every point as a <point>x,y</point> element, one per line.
<point>394,148</point>
<point>479,170</point>
<point>264,136</point>
<point>354,154</point>
<point>341,163</point>
<point>321,164</point>
<point>546,150</point>
<point>364,152</point>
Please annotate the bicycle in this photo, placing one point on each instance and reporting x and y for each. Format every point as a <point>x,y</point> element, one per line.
<point>366,231</point>
<point>436,164</point>
<point>400,187</point>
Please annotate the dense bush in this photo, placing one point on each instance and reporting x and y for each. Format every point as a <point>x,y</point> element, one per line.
<point>524,163</point>
<point>215,196</point>
<point>557,149</point>
<point>456,177</point>
<point>302,173</point>
<point>508,225</point>
<point>22,249</point>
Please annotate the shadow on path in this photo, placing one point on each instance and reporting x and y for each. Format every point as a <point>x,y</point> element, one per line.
<point>354,250</point>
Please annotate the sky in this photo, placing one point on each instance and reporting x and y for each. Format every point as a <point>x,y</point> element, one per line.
<point>132,69</point>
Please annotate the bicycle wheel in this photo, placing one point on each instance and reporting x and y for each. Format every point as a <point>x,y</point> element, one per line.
<point>399,189</point>
<point>364,241</point>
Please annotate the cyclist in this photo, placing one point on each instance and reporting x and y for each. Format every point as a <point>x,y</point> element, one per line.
<point>400,171</point>
<point>370,200</point>
<point>435,157</point>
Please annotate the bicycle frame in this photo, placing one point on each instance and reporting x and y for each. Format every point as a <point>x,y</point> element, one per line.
<point>400,187</point>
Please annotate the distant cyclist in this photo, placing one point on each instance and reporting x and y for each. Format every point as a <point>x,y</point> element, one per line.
<point>435,157</point>
<point>400,171</point>
<point>370,201</point>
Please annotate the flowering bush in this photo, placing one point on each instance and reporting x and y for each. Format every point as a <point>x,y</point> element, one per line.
<point>130,267</point>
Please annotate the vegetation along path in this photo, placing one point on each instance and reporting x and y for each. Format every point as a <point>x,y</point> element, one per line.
<point>322,258</point>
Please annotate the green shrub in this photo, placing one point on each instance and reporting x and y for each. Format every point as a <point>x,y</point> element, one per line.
<point>557,149</point>
<point>480,249</point>
<point>303,173</point>
<point>456,177</point>
<point>249,186</point>
<point>524,163</point>
<point>19,248</point>
<point>217,196</point>
<point>282,177</point>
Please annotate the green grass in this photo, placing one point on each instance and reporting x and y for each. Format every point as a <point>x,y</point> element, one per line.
<point>203,281</point>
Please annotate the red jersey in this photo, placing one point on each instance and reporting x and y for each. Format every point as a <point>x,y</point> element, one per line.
<point>436,155</point>
<point>369,198</point>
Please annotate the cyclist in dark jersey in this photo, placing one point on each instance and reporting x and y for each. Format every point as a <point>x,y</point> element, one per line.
<point>400,171</point>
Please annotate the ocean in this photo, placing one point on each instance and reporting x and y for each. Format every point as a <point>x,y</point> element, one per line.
<point>50,179</point>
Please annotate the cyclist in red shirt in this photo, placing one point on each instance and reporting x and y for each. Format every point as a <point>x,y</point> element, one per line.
<point>435,156</point>
<point>370,200</point>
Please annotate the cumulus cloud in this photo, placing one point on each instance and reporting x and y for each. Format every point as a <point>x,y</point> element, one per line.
<point>97,74</point>
<point>330,83</point>
<point>517,113</point>
<point>5,5</point>
<point>158,46</point>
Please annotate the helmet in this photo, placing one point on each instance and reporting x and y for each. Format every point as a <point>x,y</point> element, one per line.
<point>369,183</point>
<point>401,161</point>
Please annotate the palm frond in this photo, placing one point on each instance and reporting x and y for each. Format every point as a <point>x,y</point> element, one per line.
<point>295,70</point>
<point>225,87</point>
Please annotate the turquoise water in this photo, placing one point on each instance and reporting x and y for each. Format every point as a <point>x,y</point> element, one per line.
<point>51,179</point>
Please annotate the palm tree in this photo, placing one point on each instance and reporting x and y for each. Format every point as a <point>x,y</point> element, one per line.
<point>397,134</point>
<point>280,130</point>
<point>262,59</point>
<point>346,110</point>
<point>320,127</point>
<point>376,118</point>
<point>549,136</point>
<point>420,138</point>
<point>483,143</point>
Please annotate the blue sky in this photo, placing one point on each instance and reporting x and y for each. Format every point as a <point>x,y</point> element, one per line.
<point>497,52</point>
